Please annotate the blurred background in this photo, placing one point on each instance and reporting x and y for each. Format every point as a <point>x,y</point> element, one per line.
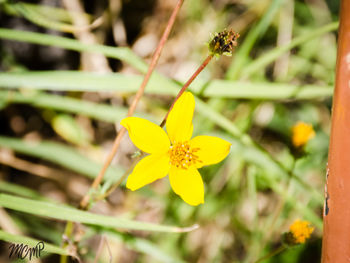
<point>60,109</point>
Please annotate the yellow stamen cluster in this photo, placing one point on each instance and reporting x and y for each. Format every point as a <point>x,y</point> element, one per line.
<point>301,230</point>
<point>301,133</point>
<point>182,155</point>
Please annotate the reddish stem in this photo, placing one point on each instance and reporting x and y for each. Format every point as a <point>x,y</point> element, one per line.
<point>84,202</point>
<point>183,89</point>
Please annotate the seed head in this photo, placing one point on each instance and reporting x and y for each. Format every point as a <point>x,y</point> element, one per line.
<point>223,43</point>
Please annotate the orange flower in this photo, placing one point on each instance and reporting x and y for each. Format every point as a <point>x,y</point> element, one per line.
<point>301,133</point>
<point>301,230</point>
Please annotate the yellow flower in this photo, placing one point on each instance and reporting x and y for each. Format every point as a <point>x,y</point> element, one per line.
<point>301,230</point>
<point>174,153</point>
<point>302,133</point>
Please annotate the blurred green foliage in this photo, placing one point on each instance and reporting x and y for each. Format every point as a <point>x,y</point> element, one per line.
<point>282,72</point>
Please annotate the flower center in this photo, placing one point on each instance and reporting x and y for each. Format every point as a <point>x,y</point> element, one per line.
<point>182,155</point>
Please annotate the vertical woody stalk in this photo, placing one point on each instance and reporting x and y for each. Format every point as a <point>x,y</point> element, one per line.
<point>336,237</point>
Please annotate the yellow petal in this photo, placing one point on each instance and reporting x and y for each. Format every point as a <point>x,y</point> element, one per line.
<point>188,184</point>
<point>211,149</point>
<point>179,123</point>
<point>146,135</point>
<point>149,169</point>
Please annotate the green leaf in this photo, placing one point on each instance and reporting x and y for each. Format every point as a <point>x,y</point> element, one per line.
<point>55,211</point>
<point>142,245</point>
<point>268,57</point>
<point>40,19</point>
<point>83,81</point>
<point>102,112</point>
<point>265,90</point>
<point>307,212</point>
<point>122,53</point>
<point>257,31</point>
<point>68,128</point>
<point>19,190</point>
<point>63,155</point>
<point>54,13</point>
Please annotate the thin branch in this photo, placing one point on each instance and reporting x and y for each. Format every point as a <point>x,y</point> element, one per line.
<point>183,89</point>
<point>98,179</point>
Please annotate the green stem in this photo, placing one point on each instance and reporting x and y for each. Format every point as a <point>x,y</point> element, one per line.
<point>273,253</point>
<point>67,234</point>
<point>122,178</point>
<point>279,208</point>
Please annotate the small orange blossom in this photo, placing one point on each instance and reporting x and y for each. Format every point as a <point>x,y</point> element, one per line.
<point>301,230</point>
<point>301,133</point>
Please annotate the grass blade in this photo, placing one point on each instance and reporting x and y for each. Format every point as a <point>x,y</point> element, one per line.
<point>242,53</point>
<point>19,190</point>
<point>270,56</point>
<point>142,245</point>
<point>265,90</point>
<point>60,154</point>
<point>82,81</point>
<point>102,112</point>
<point>55,211</point>
<point>122,53</point>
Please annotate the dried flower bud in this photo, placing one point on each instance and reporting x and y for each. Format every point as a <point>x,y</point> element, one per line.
<point>223,43</point>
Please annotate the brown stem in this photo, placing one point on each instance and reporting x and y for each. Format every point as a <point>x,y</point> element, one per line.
<point>183,89</point>
<point>84,202</point>
<point>121,179</point>
<point>336,217</point>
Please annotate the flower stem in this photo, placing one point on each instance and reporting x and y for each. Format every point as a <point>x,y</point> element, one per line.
<point>183,89</point>
<point>84,202</point>
<point>121,179</point>
<point>279,208</point>
<point>67,233</point>
<point>271,254</point>
<point>86,199</point>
